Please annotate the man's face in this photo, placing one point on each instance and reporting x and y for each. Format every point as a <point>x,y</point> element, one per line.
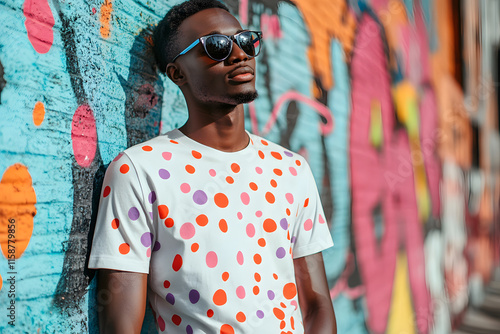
<point>231,81</point>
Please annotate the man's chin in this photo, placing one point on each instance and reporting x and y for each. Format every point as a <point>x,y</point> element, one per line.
<point>244,97</point>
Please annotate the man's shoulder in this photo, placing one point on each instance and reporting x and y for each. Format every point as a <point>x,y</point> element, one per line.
<point>277,150</point>
<point>160,142</point>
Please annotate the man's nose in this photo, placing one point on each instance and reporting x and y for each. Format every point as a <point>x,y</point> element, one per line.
<point>237,54</point>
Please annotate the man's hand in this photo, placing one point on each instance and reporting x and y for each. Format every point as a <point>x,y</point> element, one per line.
<point>121,301</point>
<point>314,296</point>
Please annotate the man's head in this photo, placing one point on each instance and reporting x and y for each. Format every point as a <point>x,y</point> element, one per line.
<point>201,78</point>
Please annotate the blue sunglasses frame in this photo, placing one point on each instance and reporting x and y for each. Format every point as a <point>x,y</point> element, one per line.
<point>232,38</point>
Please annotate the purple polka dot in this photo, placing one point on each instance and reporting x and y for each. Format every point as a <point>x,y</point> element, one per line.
<point>151,215</point>
<point>284,224</point>
<point>293,239</point>
<point>152,197</point>
<point>164,174</point>
<point>189,329</point>
<point>260,314</point>
<point>147,239</point>
<point>280,253</point>
<point>270,295</point>
<point>199,197</point>
<point>157,246</point>
<point>170,298</point>
<point>194,296</point>
<point>133,213</point>
<point>288,154</point>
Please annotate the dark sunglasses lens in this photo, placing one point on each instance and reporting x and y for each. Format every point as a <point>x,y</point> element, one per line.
<point>249,42</point>
<point>218,47</point>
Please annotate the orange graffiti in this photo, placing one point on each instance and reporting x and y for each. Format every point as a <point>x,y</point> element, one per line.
<point>106,9</point>
<point>326,19</point>
<point>17,210</point>
<point>38,113</point>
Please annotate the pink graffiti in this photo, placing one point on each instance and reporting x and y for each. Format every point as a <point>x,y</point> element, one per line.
<point>84,135</point>
<point>383,179</point>
<point>243,12</point>
<point>324,128</point>
<point>39,23</point>
<point>270,26</point>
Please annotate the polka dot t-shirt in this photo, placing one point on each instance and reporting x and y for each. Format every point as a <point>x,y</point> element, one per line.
<point>216,231</point>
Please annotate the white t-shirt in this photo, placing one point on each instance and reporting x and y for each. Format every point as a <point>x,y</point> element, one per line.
<point>216,231</point>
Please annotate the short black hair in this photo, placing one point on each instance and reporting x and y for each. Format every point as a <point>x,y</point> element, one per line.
<point>166,33</point>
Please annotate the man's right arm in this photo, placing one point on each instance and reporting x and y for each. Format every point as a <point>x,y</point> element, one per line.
<point>121,301</point>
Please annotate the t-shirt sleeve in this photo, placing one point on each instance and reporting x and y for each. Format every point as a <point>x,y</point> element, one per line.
<point>123,233</point>
<point>310,233</point>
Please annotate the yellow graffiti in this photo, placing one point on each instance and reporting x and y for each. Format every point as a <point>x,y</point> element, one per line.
<point>326,19</point>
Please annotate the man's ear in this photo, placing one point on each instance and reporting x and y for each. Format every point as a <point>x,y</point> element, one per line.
<point>174,72</point>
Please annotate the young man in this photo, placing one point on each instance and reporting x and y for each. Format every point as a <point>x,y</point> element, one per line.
<point>224,229</point>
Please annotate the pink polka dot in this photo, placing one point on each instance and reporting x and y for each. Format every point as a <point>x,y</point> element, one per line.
<point>294,303</point>
<point>289,198</point>
<point>258,170</point>
<point>240,215</point>
<point>308,225</point>
<point>321,220</point>
<point>185,188</point>
<point>211,259</point>
<point>148,252</point>
<point>161,323</point>
<point>240,292</point>
<point>166,155</point>
<point>187,231</point>
<point>212,172</point>
<point>293,171</point>
<point>239,257</point>
<point>250,230</point>
<point>245,198</point>
<point>258,213</point>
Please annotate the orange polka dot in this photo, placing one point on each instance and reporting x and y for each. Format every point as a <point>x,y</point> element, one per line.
<point>106,191</point>
<point>124,169</point>
<point>225,276</point>
<point>166,284</point>
<point>163,211</point>
<point>256,290</point>
<point>226,329</point>
<point>210,313</point>
<point>169,222</point>
<point>229,180</point>
<point>235,167</point>
<point>195,247</point>
<point>276,155</point>
<point>298,163</point>
<point>261,242</point>
<point>196,154</point>
<point>176,319</point>
<point>277,171</point>
<point>220,297</point>
<point>270,197</point>
<point>261,154</point>
<point>282,324</point>
<point>173,141</point>
<point>282,305</point>
<point>223,225</point>
<point>269,225</point>
<point>306,202</point>
<point>177,263</point>
<point>275,276</point>
<point>190,169</point>
<point>221,200</point>
<point>147,148</point>
<point>279,313</point>
<point>257,259</point>
<point>292,323</point>
<point>202,220</point>
<point>241,317</point>
<point>289,290</point>
<point>253,186</point>
<point>265,143</point>
<point>124,248</point>
<point>274,183</point>
<point>257,277</point>
<point>115,223</point>
<point>288,212</point>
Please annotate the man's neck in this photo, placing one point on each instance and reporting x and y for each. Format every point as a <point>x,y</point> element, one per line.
<point>222,130</point>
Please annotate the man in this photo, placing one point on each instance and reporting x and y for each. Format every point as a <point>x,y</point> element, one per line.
<point>223,228</point>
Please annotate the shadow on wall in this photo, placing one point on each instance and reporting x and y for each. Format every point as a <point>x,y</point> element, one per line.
<point>143,89</point>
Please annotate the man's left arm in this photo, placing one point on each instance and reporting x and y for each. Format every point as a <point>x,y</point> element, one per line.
<point>314,296</point>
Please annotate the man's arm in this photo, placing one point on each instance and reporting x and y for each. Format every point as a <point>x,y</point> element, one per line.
<point>314,296</point>
<point>121,301</point>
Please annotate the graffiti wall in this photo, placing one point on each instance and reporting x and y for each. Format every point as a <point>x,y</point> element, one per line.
<point>395,110</point>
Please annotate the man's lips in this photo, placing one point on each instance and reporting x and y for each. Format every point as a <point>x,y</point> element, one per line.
<point>242,74</point>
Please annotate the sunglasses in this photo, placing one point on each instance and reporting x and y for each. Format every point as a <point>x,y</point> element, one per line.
<point>218,47</point>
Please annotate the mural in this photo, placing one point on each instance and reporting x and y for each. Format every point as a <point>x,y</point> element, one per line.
<point>402,139</point>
